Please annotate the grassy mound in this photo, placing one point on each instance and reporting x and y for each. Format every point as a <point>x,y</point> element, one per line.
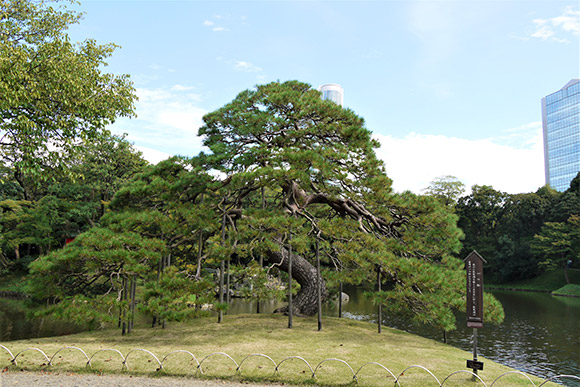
<point>568,290</point>
<point>548,281</point>
<point>354,342</point>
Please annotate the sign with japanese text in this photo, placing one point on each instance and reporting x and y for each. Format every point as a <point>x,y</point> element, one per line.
<point>474,268</point>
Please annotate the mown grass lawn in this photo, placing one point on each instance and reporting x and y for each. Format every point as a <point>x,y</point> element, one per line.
<point>355,342</point>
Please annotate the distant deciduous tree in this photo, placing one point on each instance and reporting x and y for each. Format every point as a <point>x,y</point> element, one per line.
<point>446,188</point>
<point>558,243</point>
<point>53,92</point>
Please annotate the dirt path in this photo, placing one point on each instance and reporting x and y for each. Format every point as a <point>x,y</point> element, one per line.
<point>29,379</point>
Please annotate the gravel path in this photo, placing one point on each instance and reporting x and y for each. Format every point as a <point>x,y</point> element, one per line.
<point>9,379</point>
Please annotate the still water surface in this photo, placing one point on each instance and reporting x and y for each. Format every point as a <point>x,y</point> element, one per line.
<point>540,334</point>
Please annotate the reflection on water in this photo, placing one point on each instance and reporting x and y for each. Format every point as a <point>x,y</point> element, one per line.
<point>540,334</point>
<point>14,324</point>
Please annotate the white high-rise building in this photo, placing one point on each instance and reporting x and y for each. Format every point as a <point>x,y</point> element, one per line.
<point>333,92</point>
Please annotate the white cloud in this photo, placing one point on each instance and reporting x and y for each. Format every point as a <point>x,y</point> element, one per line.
<point>569,21</point>
<point>167,120</point>
<point>507,165</point>
<point>549,29</point>
<point>152,155</point>
<point>246,66</point>
<point>181,88</point>
<point>213,26</point>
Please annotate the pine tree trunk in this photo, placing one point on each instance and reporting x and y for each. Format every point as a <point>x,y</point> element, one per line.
<point>306,301</point>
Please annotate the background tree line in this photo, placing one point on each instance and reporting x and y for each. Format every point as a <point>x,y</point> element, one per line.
<point>520,235</point>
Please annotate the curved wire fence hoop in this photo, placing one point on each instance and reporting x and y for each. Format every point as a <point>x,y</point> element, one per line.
<point>181,351</point>
<point>140,350</point>
<point>69,347</point>
<point>334,359</point>
<point>277,366</point>
<point>217,353</point>
<point>106,350</point>
<point>464,372</point>
<point>239,369</point>
<point>30,349</point>
<point>294,357</point>
<point>512,373</point>
<point>560,377</point>
<point>10,353</point>
<point>420,367</point>
<point>380,365</point>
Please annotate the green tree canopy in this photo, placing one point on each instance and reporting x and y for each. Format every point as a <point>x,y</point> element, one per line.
<point>558,243</point>
<point>286,170</point>
<point>446,188</point>
<point>313,165</point>
<point>53,92</point>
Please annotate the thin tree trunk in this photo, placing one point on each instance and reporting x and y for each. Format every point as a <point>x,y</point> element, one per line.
<point>159,270</point>
<point>199,252</point>
<point>124,298</point>
<point>228,283</point>
<point>319,280</point>
<point>290,304</point>
<point>133,302</point>
<point>380,317</point>
<point>222,268</point>
<point>258,298</point>
<point>340,300</point>
<point>263,192</point>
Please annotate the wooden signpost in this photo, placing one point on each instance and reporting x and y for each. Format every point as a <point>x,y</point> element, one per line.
<point>474,270</point>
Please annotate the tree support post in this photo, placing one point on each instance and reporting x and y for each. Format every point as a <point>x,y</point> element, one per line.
<point>380,314</point>
<point>474,352</point>
<point>222,268</point>
<point>124,298</point>
<point>340,300</point>
<point>318,279</point>
<point>228,297</point>
<point>290,306</point>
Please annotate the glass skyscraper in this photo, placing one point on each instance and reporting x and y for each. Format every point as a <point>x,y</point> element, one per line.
<point>561,124</point>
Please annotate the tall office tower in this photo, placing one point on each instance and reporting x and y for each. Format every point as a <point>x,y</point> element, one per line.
<point>333,92</point>
<point>561,124</point>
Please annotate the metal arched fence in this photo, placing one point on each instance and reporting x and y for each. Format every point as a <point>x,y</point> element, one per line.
<point>275,366</point>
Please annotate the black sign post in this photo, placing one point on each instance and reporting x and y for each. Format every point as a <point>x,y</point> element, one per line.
<point>474,270</point>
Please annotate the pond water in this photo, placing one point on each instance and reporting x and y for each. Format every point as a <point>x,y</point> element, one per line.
<point>540,334</point>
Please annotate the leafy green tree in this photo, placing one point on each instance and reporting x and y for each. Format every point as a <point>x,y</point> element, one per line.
<point>522,217</point>
<point>558,243</point>
<point>84,280</point>
<point>568,203</point>
<point>316,163</point>
<point>165,202</point>
<point>103,166</point>
<point>54,93</point>
<point>286,170</point>
<point>64,207</point>
<point>154,216</point>
<point>446,188</point>
<point>480,215</point>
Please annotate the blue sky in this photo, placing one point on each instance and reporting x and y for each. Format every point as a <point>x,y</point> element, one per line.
<point>447,87</point>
